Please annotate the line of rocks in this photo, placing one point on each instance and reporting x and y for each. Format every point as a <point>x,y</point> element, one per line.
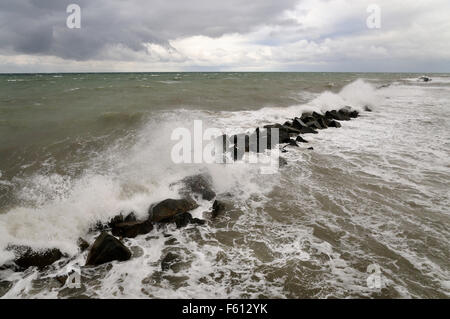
<point>107,247</point>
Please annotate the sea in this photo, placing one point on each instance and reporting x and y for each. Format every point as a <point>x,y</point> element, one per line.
<point>364,214</point>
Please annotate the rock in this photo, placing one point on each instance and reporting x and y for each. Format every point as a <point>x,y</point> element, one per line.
<point>367,108</point>
<point>27,257</point>
<point>292,143</point>
<point>115,220</point>
<point>198,221</point>
<point>198,184</point>
<point>182,219</point>
<point>165,210</point>
<point>424,78</point>
<point>333,123</point>
<point>282,161</point>
<point>301,140</point>
<point>311,148</point>
<point>217,208</point>
<point>82,244</point>
<point>130,218</point>
<point>302,127</point>
<point>107,248</point>
<point>169,260</point>
<point>132,229</point>
<point>335,115</point>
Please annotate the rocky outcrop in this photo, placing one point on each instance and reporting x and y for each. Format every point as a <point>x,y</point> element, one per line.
<point>26,257</point>
<point>132,229</point>
<point>107,248</point>
<point>165,211</point>
<point>183,219</point>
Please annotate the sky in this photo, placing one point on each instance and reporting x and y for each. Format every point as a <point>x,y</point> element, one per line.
<point>231,35</point>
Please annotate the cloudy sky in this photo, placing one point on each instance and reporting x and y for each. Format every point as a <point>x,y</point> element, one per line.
<point>231,35</point>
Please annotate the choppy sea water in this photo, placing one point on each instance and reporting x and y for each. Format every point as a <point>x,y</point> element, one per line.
<point>372,195</point>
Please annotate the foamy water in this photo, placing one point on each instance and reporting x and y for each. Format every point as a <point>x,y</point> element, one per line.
<point>374,192</point>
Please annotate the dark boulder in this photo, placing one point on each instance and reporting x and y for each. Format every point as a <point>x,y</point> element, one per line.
<point>131,217</point>
<point>311,148</point>
<point>27,257</point>
<point>335,115</point>
<point>298,123</point>
<point>218,208</point>
<point>107,248</point>
<point>183,219</point>
<point>301,140</point>
<point>333,123</point>
<point>200,184</point>
<point>168,208</point>
<point>132,229</point>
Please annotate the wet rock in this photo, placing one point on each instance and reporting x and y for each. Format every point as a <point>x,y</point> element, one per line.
<point>27,257</point>
<point>198,184</point>
<point>424,78</point>
<point>115,220</point>
<point>182,219</point>
<point>335,115</point>
<point>292,143</point>
<point>302,127</point>
<point>169,260</point>
<point>130,218</point>
<point>132,229</point>
<point>218,208</point>
<point>282,162</point>
<point>168,208</point>
<point>301,140</point>
<point>82,244</point>
<point>107,248</point>
<point>333,123</point>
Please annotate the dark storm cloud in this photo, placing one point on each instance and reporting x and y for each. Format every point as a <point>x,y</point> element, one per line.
<point>39,26</point>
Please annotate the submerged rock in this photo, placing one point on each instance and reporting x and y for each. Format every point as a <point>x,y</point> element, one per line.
<point>217,208</point>
<point>282,162</point>
<point>107,248</point>
<point>27,257</point>
<point>333,123</point>
<point>169,260</point>
<point>198,184</point>
<point>132,229</point>
<point>164,211</point>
